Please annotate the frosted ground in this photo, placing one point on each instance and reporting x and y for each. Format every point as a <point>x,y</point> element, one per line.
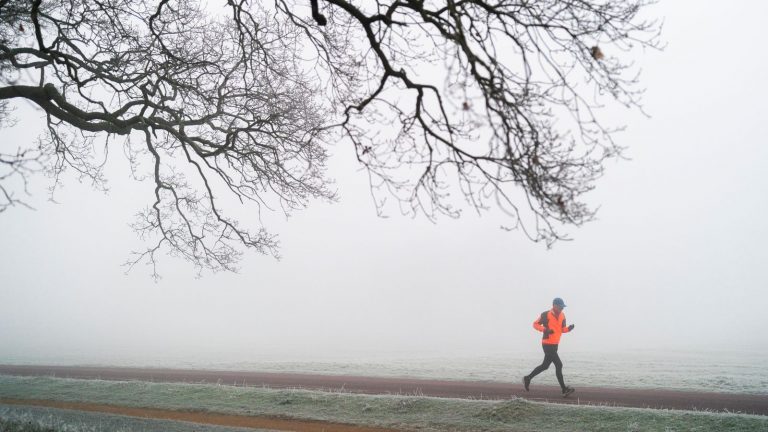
<point>399,412</point>
<point>727,372</point>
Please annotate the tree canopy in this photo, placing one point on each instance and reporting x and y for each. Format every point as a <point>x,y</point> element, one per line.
<point>499,101</point>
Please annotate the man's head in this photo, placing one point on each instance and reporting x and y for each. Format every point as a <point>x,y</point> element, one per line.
<point>558,304</point>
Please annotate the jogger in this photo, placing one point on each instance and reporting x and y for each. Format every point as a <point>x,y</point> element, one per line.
<point>552,323</point>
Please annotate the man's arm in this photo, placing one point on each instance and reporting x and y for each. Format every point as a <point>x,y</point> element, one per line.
<point>567,328</point>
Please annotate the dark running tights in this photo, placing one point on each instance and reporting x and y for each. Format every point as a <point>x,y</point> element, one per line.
<point>550,356</point>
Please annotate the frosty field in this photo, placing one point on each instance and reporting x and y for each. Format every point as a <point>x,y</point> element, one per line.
<point>722,372</point>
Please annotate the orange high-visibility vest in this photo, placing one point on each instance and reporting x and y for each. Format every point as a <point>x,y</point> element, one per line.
<point>548,320</point>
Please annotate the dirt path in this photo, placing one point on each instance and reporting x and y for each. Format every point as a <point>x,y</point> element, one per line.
<point>642,398</point>
<point>269,423</point>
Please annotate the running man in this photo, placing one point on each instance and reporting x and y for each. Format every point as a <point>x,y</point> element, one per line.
<point>552,324</point>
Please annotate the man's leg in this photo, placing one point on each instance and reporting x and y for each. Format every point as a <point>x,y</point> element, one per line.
<point>558,369</point>
<point>545,364</point>
<point>542,367</point>
<point>559,372</point>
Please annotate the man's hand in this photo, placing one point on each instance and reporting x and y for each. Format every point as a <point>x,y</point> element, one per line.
<point>548,332</point>
<point>570,327</point>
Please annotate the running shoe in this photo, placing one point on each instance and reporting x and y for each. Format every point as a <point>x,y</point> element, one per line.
<point>526,382</point>
<point>567,391</point>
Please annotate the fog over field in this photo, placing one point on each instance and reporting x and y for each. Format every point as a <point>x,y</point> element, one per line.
<point>676,259</point>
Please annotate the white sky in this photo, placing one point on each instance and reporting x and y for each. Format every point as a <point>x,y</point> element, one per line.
<point>676,260</point>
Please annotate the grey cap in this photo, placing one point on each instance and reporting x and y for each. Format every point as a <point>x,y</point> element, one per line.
<point>558,302</point>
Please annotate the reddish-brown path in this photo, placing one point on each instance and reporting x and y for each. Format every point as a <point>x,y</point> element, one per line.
<point>643,398</point>
<point>257,422</point>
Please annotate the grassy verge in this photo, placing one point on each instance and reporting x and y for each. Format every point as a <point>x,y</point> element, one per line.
<point>404,412</point>
<point>8,425</point>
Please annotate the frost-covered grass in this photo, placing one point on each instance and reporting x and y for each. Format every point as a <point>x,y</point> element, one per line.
<point>708,371</point>
<point>40,419</point>
<point>404,412</point>
<point>28,425</point>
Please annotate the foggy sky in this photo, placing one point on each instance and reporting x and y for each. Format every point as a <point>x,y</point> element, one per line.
<point>675,260</point>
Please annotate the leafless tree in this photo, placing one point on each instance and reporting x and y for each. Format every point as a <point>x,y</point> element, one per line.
<point>496,100</point>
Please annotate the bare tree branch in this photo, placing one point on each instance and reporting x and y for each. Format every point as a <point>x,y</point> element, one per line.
<point>513,110</point>
<point>221,104</point>
<point>499,101</point>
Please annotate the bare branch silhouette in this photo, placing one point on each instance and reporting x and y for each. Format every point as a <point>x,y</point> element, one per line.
<point>497,101</point>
